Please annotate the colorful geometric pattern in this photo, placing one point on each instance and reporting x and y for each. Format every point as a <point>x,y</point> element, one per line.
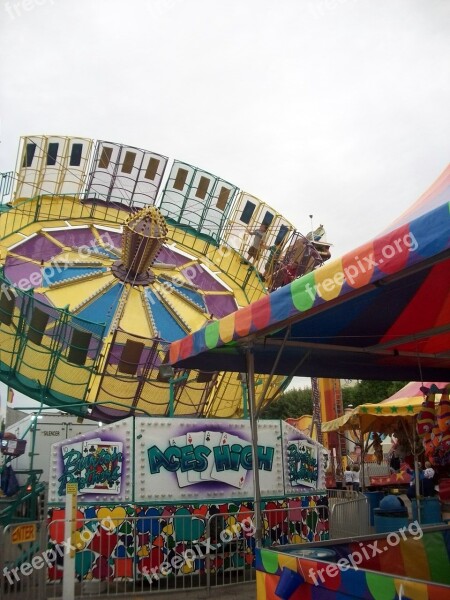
<point>119,542</point>
<point>413,568</point>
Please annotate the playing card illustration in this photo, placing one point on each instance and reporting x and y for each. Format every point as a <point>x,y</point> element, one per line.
<point>234,475</point>
<point>212,440</point>
<point>66,449</point>
<point>182,477</point>
<point>102,467</point>
<point>196,439</point>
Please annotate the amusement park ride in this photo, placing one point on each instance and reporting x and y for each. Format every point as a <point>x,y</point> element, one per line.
<point>109,253</point>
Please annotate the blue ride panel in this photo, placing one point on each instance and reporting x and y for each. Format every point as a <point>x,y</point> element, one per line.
<point>168,328</point>
<point>102,308</point>
<point>193,296</point>
<point>49,277</point>
<point>104,251</point>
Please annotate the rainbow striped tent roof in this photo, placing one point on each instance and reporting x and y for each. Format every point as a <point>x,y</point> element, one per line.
<point>381,311</point>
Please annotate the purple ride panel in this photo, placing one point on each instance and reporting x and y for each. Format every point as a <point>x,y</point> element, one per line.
<point>38,248</point>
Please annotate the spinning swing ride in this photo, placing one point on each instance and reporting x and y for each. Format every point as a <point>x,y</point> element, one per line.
<point>109,253</point>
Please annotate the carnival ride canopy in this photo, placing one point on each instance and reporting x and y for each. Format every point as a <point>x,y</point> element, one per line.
<point>381,311</point>
<point>384,416</point>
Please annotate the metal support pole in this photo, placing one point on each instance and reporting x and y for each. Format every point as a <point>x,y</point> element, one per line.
<point>171,396</point>
<point>362,483</point>
<point>417,485</point>
<point>416,469</point>
<point>173,381</point>
<point>33,430</point>
<point>69,530</point>
<point>244,396</point>
<point>254,433</point>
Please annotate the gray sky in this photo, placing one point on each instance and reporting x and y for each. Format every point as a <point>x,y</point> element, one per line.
<point>336,108</point>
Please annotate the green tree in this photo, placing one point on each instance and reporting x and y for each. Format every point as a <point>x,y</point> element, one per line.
<point>368,391</point>
<point>293,403</point>
<point>298,402</point>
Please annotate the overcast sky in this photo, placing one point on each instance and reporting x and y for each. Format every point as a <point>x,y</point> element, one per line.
<point>336,108</point>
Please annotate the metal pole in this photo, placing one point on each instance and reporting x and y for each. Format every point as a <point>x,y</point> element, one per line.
<point>254,432</point>
<point>69,530</point>
<point>33,430</point>
<point>272,372</point>
<point>416,469</point>
<point>363,466</point>
<point>244,397</point>
<point>417,485</point>
<point>171,396</point>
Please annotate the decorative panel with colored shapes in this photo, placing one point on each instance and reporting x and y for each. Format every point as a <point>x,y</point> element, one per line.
<point>412,565</point>
<point>99,462</point>
<point>154,541</point>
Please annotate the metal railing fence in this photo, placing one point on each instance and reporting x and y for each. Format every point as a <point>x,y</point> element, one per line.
<point>127,555</point>
<point>349,516</point>
<point>23,568</point>
<point>117,554</point>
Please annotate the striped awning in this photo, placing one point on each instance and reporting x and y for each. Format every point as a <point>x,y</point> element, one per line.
<point>381,311</point>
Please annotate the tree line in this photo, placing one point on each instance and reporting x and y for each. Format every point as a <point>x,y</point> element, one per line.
<point>297,402</point>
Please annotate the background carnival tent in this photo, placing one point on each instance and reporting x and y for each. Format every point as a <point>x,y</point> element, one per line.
<point>383,417</point>
<point>398,413</point>
<point>381,311</point>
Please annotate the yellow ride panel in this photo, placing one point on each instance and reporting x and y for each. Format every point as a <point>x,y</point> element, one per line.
<point>77,292</point>
<point>116,390</point>
<point>8,345</point>
<point>35,362</point>
<point>155,398</point>
<point>134,317</point>
<point>75,376</point>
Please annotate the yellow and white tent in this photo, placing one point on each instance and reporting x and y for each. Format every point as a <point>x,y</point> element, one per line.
<point>384,417</point>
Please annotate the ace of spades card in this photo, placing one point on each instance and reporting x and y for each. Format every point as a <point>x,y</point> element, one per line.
<point>211,441</point>
<point>234,477</point>
<point>195,438</point>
